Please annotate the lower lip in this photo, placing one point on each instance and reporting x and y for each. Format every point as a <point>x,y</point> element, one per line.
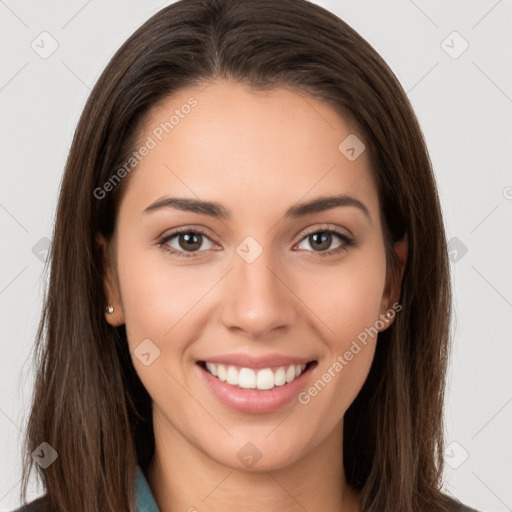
<point>255,401</point>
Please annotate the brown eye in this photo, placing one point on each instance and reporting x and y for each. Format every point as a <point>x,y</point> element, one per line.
<point>190,241</point>
<point>320,242</point>
<point>185,242</point>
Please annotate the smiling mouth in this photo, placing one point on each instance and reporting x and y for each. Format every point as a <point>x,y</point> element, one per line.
<point>261,379</point>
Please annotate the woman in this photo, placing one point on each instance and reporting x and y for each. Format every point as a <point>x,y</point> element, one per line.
<point>249,296</point>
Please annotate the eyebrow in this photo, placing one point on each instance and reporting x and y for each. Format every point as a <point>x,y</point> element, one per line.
<point>218,211</point>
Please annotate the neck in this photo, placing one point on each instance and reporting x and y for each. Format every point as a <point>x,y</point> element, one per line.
<point>182,478</point>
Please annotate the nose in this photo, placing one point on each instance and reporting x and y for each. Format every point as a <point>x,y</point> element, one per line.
<point>258,300</point>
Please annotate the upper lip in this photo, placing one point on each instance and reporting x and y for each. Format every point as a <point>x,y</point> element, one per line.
<point>250,361</point>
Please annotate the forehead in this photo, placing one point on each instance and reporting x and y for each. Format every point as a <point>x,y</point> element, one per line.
<point>254,150</point>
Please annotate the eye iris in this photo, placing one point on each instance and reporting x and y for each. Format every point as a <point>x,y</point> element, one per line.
<point>320,239</point>
<point>192,241</point>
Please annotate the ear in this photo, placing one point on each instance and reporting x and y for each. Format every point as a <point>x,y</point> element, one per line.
<point>393,284</point>
<point>110,282</point>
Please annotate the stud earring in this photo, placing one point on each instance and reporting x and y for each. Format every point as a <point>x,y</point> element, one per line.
<point>109,309</point>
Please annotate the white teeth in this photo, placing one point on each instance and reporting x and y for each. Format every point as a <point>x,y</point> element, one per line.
<point>232,376</point>
<point>212,368</point>
<point>290,373</point>
<point>248,378</point>
<point>279,377</point>
<point>221,372</point>
<point>265,379</point>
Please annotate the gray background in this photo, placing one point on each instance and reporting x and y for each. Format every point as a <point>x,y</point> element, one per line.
<point>463,102</point>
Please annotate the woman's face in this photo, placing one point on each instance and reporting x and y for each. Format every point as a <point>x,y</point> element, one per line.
<point>258,284</point>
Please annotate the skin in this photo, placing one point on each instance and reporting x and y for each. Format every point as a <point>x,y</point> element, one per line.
<point>257,154</point>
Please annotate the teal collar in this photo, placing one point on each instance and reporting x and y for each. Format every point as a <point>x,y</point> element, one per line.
<point>143,495</point>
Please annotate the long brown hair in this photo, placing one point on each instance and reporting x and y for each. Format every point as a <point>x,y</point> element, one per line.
<point>89,403</point>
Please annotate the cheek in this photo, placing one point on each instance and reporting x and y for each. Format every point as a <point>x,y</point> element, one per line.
<point>159,305</point>
<point>156,298</point>
<point>356,302</point>
<point>347,298</point>
<point>349,305</point>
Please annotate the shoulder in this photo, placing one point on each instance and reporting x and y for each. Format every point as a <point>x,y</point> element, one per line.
<point>38,505</point>
<point>464,508</point>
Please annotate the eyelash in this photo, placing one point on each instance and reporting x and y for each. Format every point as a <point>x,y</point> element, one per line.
<point>347,242</point>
